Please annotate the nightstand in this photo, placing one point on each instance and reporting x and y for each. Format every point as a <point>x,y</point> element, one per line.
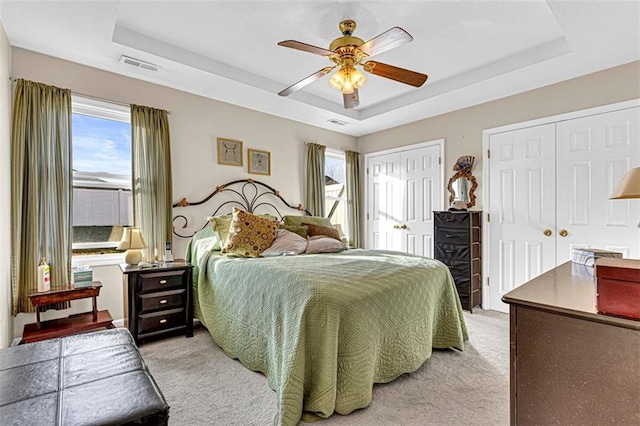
<point>158,299</point>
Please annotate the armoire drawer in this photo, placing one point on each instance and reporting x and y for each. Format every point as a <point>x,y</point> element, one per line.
<point>453,252</point>
<point>451,220</point>
<point>452,236</point>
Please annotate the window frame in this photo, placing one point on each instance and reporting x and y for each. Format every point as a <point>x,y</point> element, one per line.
<point>98,108</point>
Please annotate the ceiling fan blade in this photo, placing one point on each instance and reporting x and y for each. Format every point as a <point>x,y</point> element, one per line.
<point>299,85</point>
<point>305,47</point>
<point>402,75</point>
<point>351,100</point>
<point>388,40</point>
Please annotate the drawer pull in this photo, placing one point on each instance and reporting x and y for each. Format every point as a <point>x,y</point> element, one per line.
<point>449,236</point>
<point>449,220</point>
<point>446,251</point>
<point>162,321</point>
<point>163,281</point>
<point>163,301</point>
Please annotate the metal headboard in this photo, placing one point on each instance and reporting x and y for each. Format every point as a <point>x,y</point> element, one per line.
<point>249,195</point>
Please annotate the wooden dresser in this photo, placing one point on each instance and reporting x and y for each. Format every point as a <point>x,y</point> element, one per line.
<point>570,365</point>
<point>458,244</point>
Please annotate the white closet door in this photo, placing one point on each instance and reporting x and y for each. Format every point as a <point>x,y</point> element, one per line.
<point>385,192</point>
<point>422,179</point>
<point>593,154</point>
<point>522,205</point>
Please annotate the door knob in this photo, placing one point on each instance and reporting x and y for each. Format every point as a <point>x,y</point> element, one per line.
<point>403,227</point>
<point>396,227</point>
<point>563,233</point>
<point>548,232</point>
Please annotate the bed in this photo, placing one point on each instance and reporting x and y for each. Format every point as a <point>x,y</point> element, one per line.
<point>323,328</point>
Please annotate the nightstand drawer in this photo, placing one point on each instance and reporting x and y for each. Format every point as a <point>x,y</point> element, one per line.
<point>160,320</point>
<point>159,281</point>
<point>162,300</point>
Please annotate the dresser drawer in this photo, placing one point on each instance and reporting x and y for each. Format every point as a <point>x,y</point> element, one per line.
<point>161,320</point>
<point>452,220</point>
<point>452,236</point>
<point>159,281</point>
<point>457,268</point>
<point>452,252</point>
<point>161,300</point>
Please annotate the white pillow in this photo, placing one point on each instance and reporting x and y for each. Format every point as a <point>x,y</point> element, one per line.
<point>286,241</point>
<point>324,244</point>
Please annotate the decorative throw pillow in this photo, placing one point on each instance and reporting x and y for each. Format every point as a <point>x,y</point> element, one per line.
<point>249,235</point>
<point>300,230</point>
<point>220,225</point>
<point>298,220</point>
<point>324,244</point>
<point>328,231</point>
<point>286,242</point>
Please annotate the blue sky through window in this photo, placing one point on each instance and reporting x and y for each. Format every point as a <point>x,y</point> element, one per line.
<point>101,145</point>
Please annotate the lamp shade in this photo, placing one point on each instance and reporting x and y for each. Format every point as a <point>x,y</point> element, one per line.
<point>131,239</point>
<point>629,186</point>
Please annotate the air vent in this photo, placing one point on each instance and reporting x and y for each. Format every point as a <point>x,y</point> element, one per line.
<point>338,122</point>
<point>138,63</point>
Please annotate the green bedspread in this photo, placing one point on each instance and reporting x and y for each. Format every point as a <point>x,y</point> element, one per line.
<point>324,327</point>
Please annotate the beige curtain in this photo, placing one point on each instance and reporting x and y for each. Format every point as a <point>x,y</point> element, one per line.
<point>152,183</point>
<point>41,188</point>
<point>353,197</point>
<point>315,179</point>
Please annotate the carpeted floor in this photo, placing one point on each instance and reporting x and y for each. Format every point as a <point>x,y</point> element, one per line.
<point>203,386</point>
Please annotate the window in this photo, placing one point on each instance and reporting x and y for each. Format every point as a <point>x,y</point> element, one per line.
<point>101,150</point>
<point>335,189</point>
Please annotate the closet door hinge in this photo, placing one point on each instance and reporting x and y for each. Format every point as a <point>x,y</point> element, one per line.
<point>439,160</point>
<point>488,217</point>
<point>488,153</point>
<point>488,282</point>
<point>367,216</point>
<point>367,170</point>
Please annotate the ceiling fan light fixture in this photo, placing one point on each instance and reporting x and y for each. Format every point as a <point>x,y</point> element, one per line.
<point>347,80</point>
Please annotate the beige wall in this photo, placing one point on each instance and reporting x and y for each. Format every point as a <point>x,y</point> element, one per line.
<point>195,123</point>
<point>462,130</point>
<point>5,191</point>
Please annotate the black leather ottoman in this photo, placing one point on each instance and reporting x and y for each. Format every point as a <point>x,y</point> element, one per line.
<point>95,378</point>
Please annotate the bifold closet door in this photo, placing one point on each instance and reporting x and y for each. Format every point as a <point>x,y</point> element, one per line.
<point>522,205</point>
<point>593,154</point>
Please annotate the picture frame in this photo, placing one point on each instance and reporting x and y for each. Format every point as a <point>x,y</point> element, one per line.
<point>229,152</point>
<point>259,162</point>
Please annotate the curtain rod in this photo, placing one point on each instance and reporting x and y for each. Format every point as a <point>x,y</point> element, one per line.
<point>13,80</point>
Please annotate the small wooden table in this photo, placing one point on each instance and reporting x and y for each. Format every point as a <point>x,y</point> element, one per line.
<point>73,324</point>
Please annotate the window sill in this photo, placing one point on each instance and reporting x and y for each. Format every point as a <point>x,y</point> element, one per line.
<point>98,259</point>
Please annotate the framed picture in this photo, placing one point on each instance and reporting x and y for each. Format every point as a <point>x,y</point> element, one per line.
<point>259,162</point>
<point>229,152</point>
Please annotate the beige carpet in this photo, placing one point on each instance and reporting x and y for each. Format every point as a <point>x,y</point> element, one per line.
<point>205,387</point>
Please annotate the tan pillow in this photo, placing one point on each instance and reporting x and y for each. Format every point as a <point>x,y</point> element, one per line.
<point>249,235</point>
<point>298,220</point>
<point>322,230</point>
<point>286,243</point>
<point>323,244</point>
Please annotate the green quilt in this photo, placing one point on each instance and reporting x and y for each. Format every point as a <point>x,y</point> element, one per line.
<point>324,327</point>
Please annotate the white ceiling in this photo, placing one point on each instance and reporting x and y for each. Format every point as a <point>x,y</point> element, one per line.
<point>473,51</point>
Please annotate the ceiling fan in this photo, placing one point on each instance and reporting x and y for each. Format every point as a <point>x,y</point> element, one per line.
<point>347,52</point>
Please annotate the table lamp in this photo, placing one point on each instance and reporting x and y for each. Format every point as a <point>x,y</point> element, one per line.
<point>132,242</point>
<point>629,186</point>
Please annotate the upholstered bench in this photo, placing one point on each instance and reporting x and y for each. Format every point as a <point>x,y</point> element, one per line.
<point>87,379</point>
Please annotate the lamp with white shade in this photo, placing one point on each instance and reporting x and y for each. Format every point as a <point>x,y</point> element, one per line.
<point>132,241</point>
<point>629,186</point>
